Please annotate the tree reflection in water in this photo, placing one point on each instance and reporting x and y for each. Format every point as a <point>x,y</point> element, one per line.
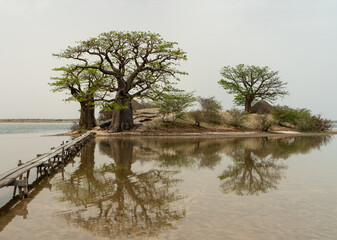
<point>113,201</point>
<point>251,174</point>
<point>258,162</point>
<point>259,167</point>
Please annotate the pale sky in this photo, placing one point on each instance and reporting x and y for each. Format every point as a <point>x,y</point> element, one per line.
<point>298,38</point>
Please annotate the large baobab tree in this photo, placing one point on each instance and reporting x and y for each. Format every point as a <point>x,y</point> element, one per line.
<point>141,64</point>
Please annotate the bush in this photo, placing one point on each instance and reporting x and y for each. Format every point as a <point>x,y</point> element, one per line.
<point>302,119</point>
<point>171,106</point>
<point>322,124</point>
<point>284,114</point>
<point>265,122</point>
<point>210,110</point>
<point>237,117</point>
<point>197,116</point>
<point>304,122</point>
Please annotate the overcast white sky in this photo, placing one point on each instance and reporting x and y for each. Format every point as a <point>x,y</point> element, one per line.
<point>297,38</point>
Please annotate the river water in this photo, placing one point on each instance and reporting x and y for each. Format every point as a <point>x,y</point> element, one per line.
<point>182,188</point>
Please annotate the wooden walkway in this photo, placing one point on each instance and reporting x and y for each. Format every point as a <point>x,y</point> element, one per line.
<point>19,176</point>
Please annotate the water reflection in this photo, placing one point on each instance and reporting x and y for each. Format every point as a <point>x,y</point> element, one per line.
<point>258,165</point>
<point>118,199</point>
<point>251,174</point>
<point>18,206</point>
<point>113,201</point>
<point>257,162</point>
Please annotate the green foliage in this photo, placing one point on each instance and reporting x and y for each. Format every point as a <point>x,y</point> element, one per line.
<point>251,83</point>
<point>322,124</point>
<point>302,119</point>
<point>84,85</point>
<point>172,105</point>
<point>237,117</point>
<point>137,62</point>
<point>210,109</point>
<point>285,114</point>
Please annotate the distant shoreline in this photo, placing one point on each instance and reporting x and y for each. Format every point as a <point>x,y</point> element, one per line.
<point>34,121</point>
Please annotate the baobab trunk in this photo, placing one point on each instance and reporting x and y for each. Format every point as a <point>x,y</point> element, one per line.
<point>122,119</point>
<point>87,117</point>
<point>248,105</point>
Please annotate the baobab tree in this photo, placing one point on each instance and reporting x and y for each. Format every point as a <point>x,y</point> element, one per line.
<point>86,86</point>
<point>251,83</point>
<point>141,64</point>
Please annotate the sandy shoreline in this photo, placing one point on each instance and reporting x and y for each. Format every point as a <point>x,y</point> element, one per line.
<point>208,134</point>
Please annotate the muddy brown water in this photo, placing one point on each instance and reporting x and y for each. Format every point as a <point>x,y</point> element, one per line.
<point>184,188</point>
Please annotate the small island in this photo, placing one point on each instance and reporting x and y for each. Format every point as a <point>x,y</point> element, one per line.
<point>120,69</point>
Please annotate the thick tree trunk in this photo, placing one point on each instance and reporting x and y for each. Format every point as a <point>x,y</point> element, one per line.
<point>122,119</point>
<point>87,117</point>
<point>248,105</point>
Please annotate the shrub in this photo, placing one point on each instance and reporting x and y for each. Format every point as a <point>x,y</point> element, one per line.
<point>172,105</point>
<point>322,124</point>
<point>265,122</point>
<point>304,122</point>
<point>302,119</point>
<point>284,114</point>
<point>197,116</point>
<point>237,117</point>
<point>210,110</point>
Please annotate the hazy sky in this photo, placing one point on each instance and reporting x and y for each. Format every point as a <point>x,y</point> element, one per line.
<point>296,37</point>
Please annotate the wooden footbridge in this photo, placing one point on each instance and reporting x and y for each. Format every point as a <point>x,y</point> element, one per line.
<point>44,163</point>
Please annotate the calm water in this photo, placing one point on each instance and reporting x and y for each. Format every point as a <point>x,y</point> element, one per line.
<point>25,140</point>
<point>187,188</point>
<point>39,128</point>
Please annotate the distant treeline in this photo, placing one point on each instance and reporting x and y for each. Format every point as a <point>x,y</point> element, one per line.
<point>37,120</point>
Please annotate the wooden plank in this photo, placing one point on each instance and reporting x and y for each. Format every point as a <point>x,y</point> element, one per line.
<point>10,176</point>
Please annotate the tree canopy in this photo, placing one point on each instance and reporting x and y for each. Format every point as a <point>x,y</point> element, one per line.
<point>251,83</point>
<point>139,62</point>
<point>86,86</point>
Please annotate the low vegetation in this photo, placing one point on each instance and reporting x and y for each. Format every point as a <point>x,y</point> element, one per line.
<point>301,119</point>
<point>266,122</point>
<point>172,105</point>
<point>209,111</point>
<point>237,118</point>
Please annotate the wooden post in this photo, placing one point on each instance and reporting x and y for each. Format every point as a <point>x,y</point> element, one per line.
<point>48,168</point>
<point>63,154</point>
<point>28,174</point>
<point>15,187</point>
<point>25,189</point>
